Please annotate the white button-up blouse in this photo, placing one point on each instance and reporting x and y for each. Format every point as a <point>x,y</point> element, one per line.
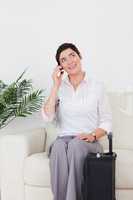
<point>82,110</point>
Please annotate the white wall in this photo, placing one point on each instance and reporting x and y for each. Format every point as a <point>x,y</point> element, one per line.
<point>31,31</point>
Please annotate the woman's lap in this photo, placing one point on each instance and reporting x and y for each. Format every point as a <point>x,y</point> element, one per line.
<point>71,143</point>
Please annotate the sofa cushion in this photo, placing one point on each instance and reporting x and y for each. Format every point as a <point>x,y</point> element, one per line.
<point>37,173</point>
<point>124,166</point>
<point>52,131</point>
<point>122,119</point>
<point>36,170</point>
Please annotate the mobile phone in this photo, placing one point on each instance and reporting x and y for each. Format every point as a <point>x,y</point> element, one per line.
<point>61,71</point>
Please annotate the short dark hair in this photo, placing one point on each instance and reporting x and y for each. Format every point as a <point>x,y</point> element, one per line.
<point>63,47</point>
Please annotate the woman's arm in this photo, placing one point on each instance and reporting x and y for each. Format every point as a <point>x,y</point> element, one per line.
<point>49,106</point>
<point>105,119</point>
<point>48,109</point>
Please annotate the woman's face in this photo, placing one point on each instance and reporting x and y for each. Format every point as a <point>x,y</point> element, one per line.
<point>70,61</point>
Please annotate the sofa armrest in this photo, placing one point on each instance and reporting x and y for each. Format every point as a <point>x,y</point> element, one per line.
<point>14,149</point>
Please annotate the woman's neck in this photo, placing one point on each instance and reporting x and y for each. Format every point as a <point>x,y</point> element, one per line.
<point>76,78</point>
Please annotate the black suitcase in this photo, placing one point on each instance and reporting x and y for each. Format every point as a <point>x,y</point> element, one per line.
<point>99,175</point>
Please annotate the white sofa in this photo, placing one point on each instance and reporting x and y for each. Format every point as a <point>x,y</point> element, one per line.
<point>25,166</point>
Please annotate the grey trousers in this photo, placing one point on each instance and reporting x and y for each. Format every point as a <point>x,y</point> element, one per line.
<point>67,156</point>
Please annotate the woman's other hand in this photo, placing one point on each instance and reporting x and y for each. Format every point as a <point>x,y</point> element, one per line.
<point>57,76</point>
<point>86,137</point>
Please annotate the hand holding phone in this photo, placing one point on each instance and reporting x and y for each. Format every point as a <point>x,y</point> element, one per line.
<point>57,75</point>
<point>60,72</point>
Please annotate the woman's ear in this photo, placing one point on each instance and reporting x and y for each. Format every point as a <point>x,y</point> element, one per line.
<point>61,68</point>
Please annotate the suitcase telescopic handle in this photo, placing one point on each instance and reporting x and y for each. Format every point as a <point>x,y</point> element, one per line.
<point>110,142</point>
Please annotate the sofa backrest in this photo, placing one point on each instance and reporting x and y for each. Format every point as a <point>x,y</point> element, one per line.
<point>122,114</point>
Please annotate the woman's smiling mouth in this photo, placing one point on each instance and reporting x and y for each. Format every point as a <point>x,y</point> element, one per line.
<point>72,67</point>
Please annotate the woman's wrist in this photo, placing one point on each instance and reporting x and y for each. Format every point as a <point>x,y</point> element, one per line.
<point>55,88</point>
<point>98,133</point>
<point>94,135</point>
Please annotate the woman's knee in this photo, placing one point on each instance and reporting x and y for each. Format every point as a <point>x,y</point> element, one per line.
<point>77,143</point>
<point>77,146</point>
<point>58,146</point>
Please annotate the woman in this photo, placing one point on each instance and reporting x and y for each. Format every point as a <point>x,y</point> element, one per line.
<point>83,115</point>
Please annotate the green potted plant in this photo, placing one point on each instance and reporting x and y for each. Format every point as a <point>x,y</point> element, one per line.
<point>18,99</point>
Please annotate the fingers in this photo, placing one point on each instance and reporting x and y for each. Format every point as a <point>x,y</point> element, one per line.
<point>82,136</point>
<point>85,137</point>
<point>59,71</point>
<point>87,140</point>
<point>58,68</point>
